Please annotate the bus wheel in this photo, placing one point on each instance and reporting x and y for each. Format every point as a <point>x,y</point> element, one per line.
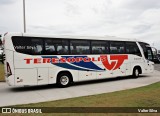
<point>136,73</point>
<point>63,80</point>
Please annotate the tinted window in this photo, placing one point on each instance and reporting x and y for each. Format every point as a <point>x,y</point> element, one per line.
<point>149,54</point>
<point>143,45</point>
<point>132,48</point>
<point>80,47</point>
<point>28,45</point>
<point>99,47</point>
<point>37,45</point>
<point>117,47</point>
<point>147,51</point>
<point>56,47</point>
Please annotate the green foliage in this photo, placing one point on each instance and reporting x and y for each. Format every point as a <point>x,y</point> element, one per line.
<point>1,72</point>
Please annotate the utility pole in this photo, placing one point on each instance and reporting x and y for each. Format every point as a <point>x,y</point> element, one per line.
<point>24,16</point>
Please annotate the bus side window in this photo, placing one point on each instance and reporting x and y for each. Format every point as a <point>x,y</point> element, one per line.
<point>117,47</point>
<point>63,47</point>
<point>73,49</point>
<point>37,45</point>
<point>132,48</point>
<point>99,47</point>
<point>56,47</point>
<point>28,45</point>
<point>22,45</point>
<point>80,47</point>
<point>50,47</point>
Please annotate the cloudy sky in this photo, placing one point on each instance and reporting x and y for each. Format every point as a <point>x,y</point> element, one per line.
<point>122,18</point>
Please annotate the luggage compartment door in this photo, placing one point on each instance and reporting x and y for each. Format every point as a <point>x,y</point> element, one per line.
<point>25,77</point>
<point>42,76</point>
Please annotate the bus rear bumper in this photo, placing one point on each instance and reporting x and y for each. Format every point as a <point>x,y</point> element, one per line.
<point>10,80</point>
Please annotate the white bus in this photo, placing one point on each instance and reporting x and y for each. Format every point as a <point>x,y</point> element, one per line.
<point>36,60</point>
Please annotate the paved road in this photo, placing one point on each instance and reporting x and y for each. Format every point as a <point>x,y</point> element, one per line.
<point>24,95</point>
<point>157,67</point>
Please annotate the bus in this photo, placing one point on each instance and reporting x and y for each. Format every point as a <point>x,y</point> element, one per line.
<point>37,60</point>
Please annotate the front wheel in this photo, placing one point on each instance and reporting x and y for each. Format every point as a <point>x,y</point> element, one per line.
<point>136,73</point>
<point>63,80</point>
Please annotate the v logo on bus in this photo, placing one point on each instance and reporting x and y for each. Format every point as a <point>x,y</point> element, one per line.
<point>116,61</point>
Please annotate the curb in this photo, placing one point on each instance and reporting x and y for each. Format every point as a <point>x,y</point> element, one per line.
<point>2,81</point>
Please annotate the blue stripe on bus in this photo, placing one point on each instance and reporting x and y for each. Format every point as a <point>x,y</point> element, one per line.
<point>65,65</point>
<point>90,65</point>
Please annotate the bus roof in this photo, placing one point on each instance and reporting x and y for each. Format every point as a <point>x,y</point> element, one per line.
<point>73,37</point>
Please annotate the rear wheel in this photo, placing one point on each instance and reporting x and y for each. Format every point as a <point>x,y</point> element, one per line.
<point>63,80</point>
<point>136,73</point>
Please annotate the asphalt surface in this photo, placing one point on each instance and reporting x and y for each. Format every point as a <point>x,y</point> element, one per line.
<point>157,67</point>
<point>24,95</point>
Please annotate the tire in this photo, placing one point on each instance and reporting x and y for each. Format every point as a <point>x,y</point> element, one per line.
<point>63,80</point>
<point>136,73</point>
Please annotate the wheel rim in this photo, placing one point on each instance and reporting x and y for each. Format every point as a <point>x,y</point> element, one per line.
<point>64,80</point>
<point>136,73</point>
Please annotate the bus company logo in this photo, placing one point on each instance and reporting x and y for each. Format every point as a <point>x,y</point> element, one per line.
<point>113,63</point>
<point>116,61</point>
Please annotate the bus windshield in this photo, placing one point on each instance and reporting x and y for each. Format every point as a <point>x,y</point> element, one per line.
<point>147,51</point>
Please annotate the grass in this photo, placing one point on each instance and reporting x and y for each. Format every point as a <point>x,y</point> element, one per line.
<point>148,96</point>
<point>1,72</point>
